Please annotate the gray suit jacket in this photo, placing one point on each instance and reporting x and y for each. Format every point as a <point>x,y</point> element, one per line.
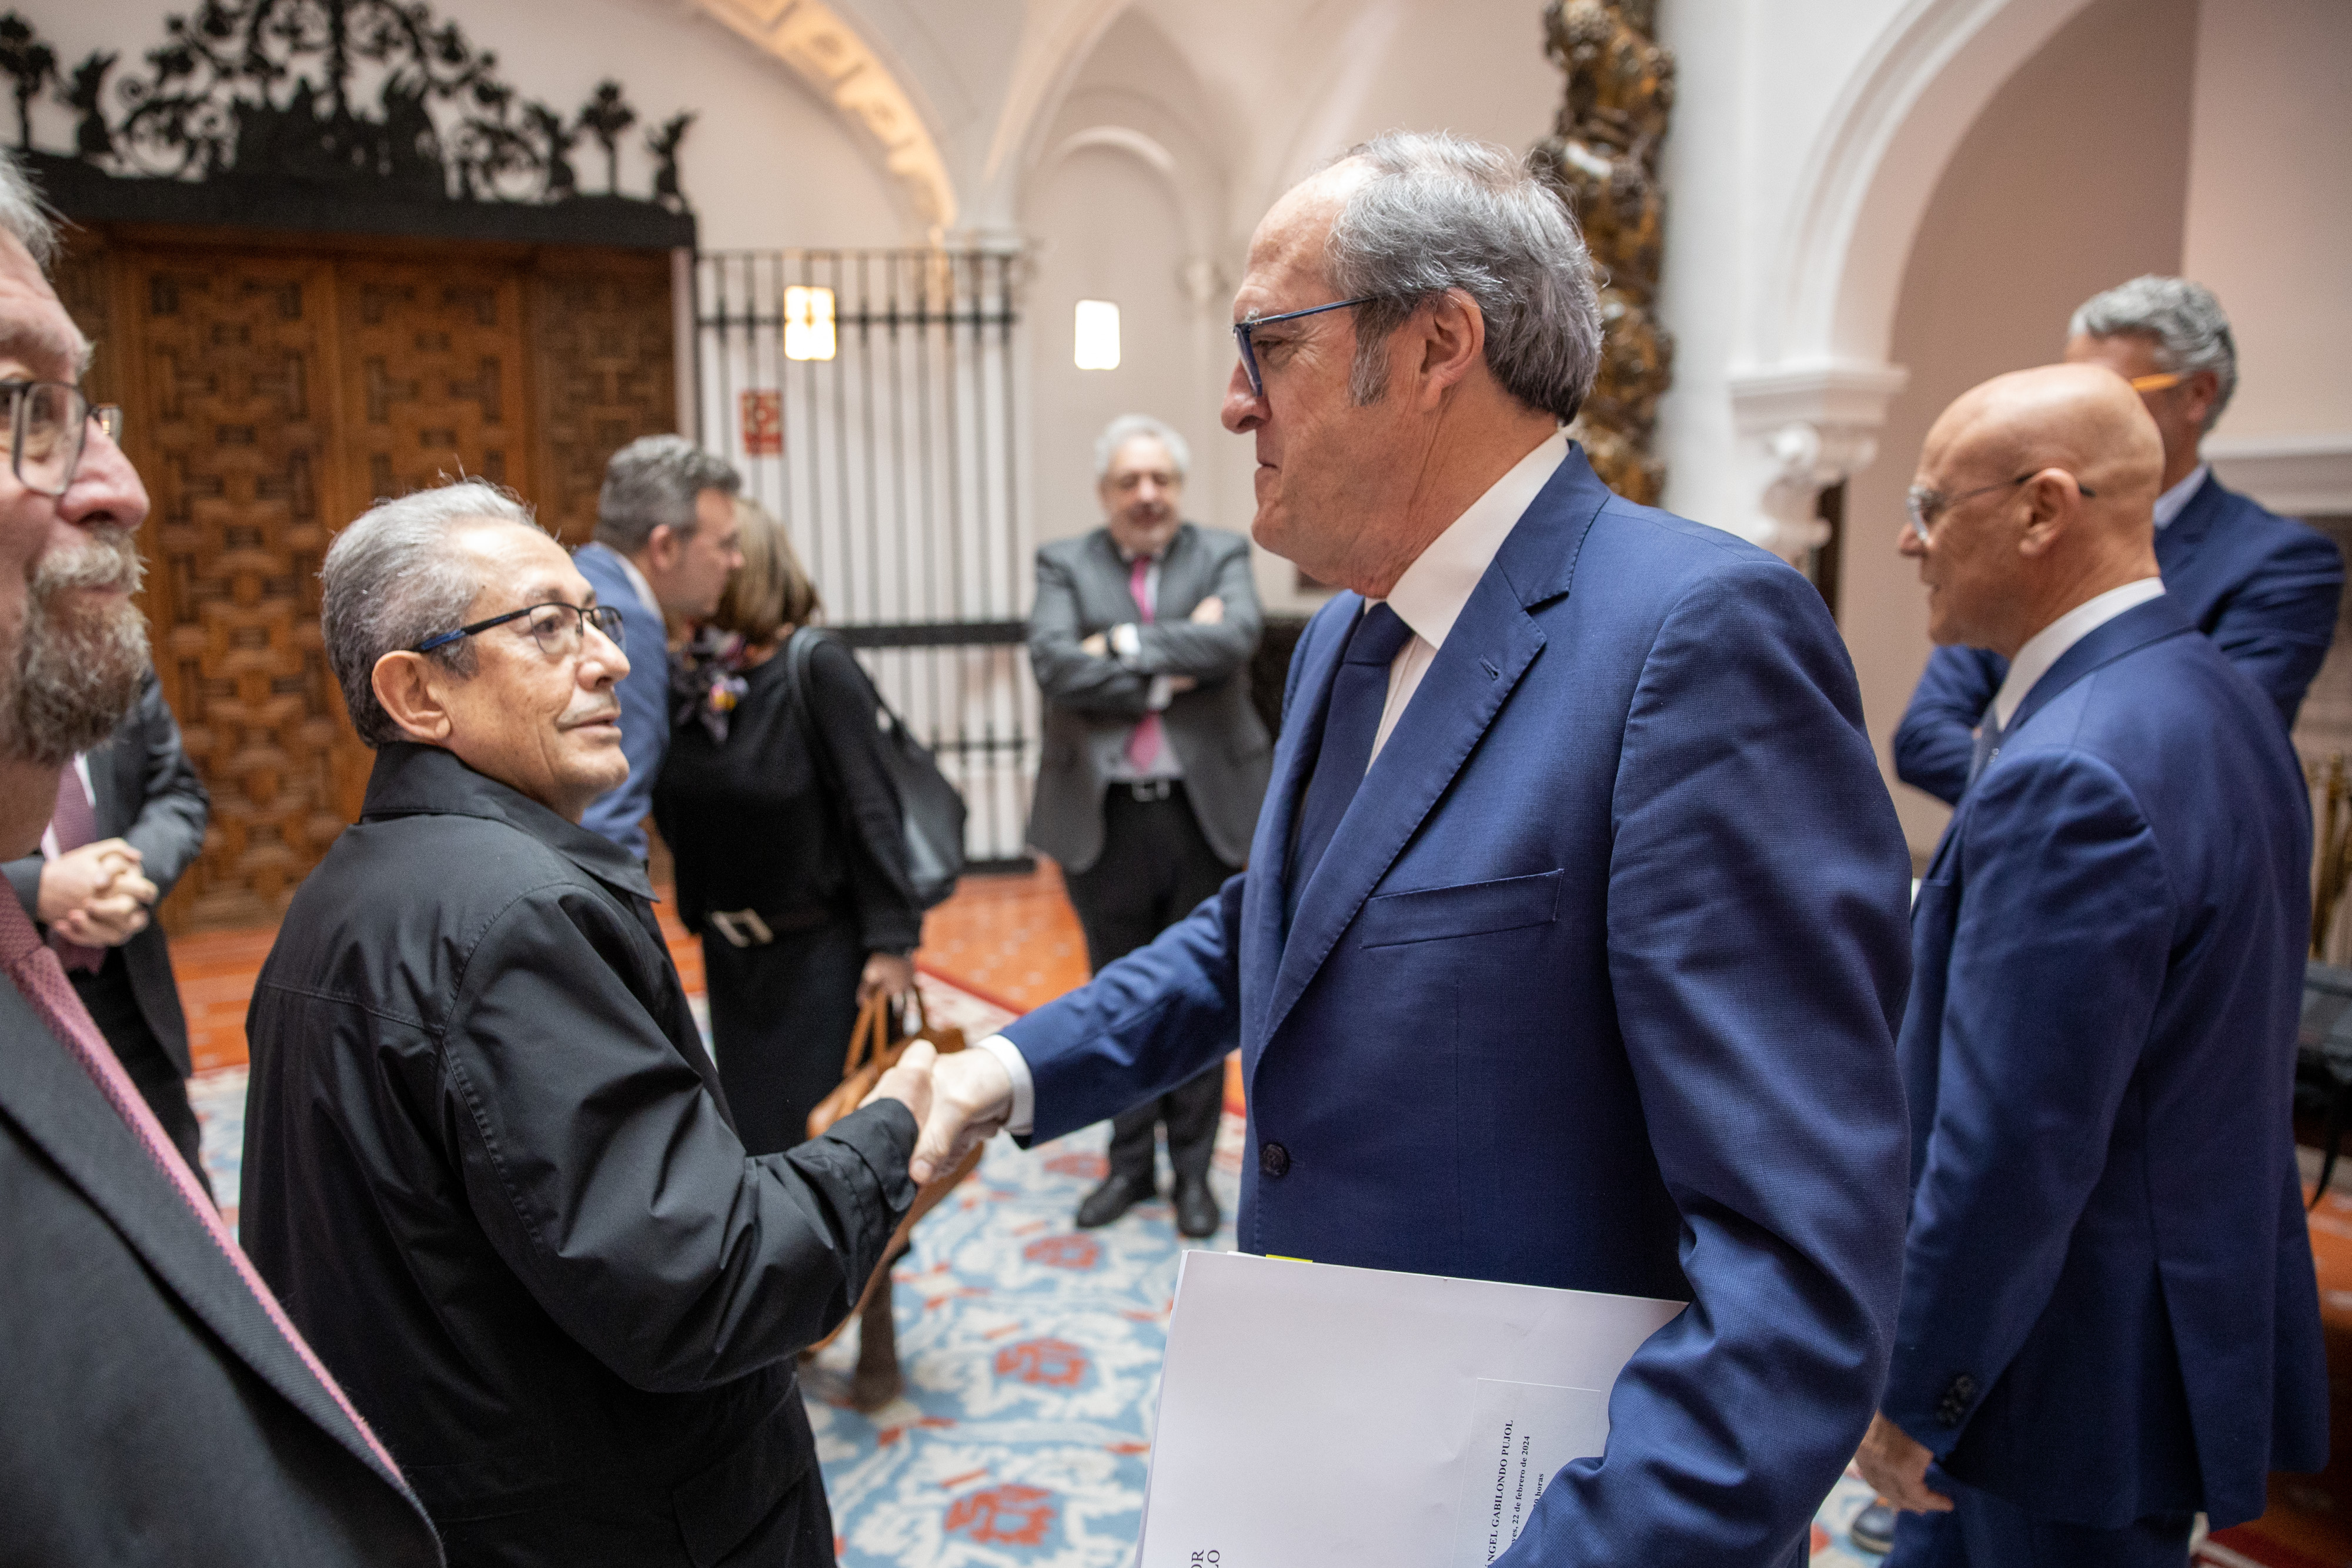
<point>143,790</point>
<point>1092,704</point>
<point>154,1414</point>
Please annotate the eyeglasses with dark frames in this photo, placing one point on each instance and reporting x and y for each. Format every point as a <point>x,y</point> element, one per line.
<point>48,428</point>
<point>1243,330</point>
<point>558,628</point>
<point>1923,507</point>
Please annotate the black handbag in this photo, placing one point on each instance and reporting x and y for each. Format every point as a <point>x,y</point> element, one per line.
<point>932,810</point>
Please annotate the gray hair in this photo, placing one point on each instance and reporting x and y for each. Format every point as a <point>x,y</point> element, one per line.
<point>2181,318</point>
<point>1443,212</point>
<point>653,482</point>
<point>392,580</point>
<point>24,216</point>
<point>1128,427</point>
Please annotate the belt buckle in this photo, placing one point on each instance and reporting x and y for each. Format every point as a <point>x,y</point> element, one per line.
<point>742,927</point>
<point>1146,791</point>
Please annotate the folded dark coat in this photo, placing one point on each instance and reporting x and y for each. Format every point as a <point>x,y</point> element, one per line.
<point>489,1170</point>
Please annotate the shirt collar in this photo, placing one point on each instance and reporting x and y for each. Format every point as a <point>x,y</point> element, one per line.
<point>1430,594</point>
<point>412,780</point>
<point>2170,505</point>
<point>636,579</point>
<point>2047,646</point>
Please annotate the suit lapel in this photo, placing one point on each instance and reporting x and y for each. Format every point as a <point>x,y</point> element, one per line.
<point>47,1094</point>
<point>2176,543</point>
<point>2135,628</point>
<point>1492,644</point>
<point>1266,892</point>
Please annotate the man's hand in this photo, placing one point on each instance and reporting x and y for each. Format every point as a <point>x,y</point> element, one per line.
<point>1098,645</point>
<point>113,917</point>
<point>77,877</point>
<point>909,1082</point>
<point>94,897</point>
<point>1895,1465</point>
<point>1209,611</point>
<point>971,1095</point>
<point>889,973</point>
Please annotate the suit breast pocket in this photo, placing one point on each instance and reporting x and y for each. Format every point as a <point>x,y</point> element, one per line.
<point>1469,909</point>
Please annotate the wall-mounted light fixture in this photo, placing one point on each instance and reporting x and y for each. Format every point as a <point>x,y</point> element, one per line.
<point>1097,335</point>
<point>808,323</point>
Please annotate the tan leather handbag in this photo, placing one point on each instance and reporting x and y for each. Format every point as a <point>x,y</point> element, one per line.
<point>871,1054</point>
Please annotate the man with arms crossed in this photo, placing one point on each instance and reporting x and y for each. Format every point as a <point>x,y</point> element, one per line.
<point>1155,758</point>
<point>159,1408</point>
<point>1576,896</point>
<point>2109,1319</point>
<point>2264,588</point>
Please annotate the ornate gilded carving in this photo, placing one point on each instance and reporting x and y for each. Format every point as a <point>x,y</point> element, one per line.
<point>1602,156</point>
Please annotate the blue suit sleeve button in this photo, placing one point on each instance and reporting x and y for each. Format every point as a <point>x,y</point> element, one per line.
<point>1273,1159</point>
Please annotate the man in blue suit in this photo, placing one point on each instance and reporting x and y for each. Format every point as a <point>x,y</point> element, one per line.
<point>1571,944</point>
<point>2110,1320</point>
<point>664,544</point>
<point>2264,588</point>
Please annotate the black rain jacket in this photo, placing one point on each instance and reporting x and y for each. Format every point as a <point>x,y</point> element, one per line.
<point>490,1173</point>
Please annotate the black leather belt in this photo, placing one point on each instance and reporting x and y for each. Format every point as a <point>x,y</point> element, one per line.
<point>1146,791</point>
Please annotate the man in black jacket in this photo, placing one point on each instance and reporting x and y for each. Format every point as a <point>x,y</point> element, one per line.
<point>158,1407</point>
<point>488,1165</point>
<point>145,811</point>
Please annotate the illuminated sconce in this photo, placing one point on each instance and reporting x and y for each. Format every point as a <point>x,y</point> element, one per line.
<point>1097,335</point>
<point>808,323</point>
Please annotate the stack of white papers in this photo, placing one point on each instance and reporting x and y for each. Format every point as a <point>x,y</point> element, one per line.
<point>1313,1415</point>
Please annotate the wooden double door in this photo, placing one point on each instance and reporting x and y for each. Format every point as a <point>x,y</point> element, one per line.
<point>271,392</point>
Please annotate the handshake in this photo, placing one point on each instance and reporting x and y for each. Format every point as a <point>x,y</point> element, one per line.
<point>95,895</point>
<point>957,1101</point>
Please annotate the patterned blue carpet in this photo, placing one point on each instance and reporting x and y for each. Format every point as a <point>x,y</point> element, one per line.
<point>1032,1357</point>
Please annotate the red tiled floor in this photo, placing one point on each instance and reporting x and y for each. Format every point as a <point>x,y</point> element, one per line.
<point>1010,940</point>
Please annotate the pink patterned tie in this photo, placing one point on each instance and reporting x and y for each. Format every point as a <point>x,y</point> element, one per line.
<point>36,974</point>
<point>76,824</point>
<point>1143,744</point>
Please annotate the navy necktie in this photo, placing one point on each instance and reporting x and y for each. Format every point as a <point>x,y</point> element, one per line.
<point>1988,738</point>
<point>1359,692</point>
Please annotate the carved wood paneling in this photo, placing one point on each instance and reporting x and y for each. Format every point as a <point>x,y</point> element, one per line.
<point>603,344</point>
<point>233,424</point>
<point>270,395</point>
<point>433,375</point>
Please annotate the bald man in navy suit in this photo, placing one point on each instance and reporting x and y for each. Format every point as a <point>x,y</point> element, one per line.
<point>2110,1320</point>
<point>2264,588</point>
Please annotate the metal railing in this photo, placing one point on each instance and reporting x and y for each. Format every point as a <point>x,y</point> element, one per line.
<point>895,465</point>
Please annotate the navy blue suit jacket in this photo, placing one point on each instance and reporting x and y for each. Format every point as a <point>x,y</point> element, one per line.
<point>1595,986</point>
<point>2108,1302</point>
<point>619,814</point>
<point>2264,588</point>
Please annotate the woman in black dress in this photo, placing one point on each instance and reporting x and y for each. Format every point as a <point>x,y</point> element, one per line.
<point>791,866</point>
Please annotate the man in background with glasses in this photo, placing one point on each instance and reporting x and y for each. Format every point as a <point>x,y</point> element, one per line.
<point>160,1407</point>
<point>2109,1318</point>
<point>2264,588</point>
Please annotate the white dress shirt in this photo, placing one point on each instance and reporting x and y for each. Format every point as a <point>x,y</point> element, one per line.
<point>49,850</point>
<point>2168,505</point>
<point>2047,646</point>
<point>1429,598</point>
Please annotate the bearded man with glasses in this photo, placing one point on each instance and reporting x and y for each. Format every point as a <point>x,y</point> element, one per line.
<point>2264,588</point>
<point>488,1166</point>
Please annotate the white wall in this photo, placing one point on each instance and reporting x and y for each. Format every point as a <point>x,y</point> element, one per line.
<point>2071,181</point>
<point>766,164</point>
<point>2269,230</point>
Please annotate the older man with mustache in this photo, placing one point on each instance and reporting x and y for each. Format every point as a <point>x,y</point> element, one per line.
<point>488,1165</point>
